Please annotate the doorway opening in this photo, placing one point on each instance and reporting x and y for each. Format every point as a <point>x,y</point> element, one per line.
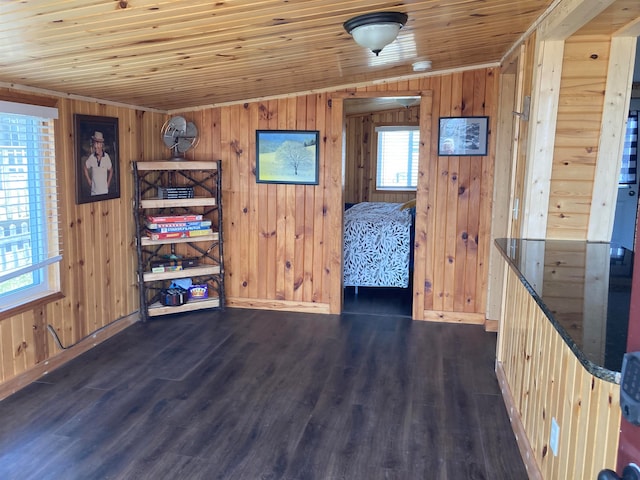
<point>379,218</point>
<point>624,225</point>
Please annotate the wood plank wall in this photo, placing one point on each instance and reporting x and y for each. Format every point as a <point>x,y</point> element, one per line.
<point>361,154</point>
<point>277,237</point>
<point>542,380</point>
<point>460,193</point>
<point>581,102</point>
<point>98,278</point>
<point>282,242</point>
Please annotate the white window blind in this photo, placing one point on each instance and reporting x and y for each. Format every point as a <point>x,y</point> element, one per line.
<point>398,157</point>
<point>629,167</point>
<point>29,226</point>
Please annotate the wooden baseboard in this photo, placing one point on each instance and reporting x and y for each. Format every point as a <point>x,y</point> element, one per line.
<point>289,306</point>
<point>526,452</point>
<point>454,317</point>
<point>41,369</point>
<point>491,325</point>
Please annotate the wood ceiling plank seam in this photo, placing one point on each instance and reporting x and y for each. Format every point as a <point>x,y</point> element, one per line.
<point>160,80</point>
<point>237,50</point>
<point>154,34</point>
<point>200,38</point>
<point>111,19</point>
<point>238,68</point>
<point>170,19</point>
<point>171,26</point>
<point>178,44</point>
<point>217,32</point>
<point>400,71</point>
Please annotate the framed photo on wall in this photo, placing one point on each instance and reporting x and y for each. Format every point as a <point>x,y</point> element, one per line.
<point>96,158</point>
<point>463,136</point>
<point>287,156</point>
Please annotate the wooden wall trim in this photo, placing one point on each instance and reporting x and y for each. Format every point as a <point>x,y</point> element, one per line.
<point>9,95</point>
<point>289,306</point>
<point>41,369</point>
<point>542,129</point>
<point>26,91</point>
<point>504,171</point>
<point>632,29</point>
<point>491,325</point>
<point>335,204</point>
<point>611,143</point>
<point>454,317</point>
<point>425,201</point>
<point>568,16</point>
<point>526,452</point>
<point>32,305</point>
<point>381,94</point>
<point>359,86</point>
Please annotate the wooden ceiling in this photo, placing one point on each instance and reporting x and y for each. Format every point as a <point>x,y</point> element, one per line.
<point>175,55</point>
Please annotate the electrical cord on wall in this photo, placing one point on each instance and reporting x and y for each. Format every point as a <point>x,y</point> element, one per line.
<point>54,334</point>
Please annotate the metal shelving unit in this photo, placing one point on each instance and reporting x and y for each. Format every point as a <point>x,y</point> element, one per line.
<point>204,179</point>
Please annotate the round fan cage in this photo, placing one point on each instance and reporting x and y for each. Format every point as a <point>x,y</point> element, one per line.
<point>180,136</point>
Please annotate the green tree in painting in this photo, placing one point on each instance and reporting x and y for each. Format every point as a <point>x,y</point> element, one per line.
<point>294,154</point>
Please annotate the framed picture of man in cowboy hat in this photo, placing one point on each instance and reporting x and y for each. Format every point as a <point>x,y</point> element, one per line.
<point>97,158</point>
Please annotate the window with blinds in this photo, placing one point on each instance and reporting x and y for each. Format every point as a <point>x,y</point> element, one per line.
<point>629,166</point>
<point>397,157</point>
<point>29,232</point>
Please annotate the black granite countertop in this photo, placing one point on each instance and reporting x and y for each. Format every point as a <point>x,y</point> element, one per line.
<point>584,288</point>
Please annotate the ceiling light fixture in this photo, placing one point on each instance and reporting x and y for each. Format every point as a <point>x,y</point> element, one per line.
<point>421,66</point>
<point>375,30</point>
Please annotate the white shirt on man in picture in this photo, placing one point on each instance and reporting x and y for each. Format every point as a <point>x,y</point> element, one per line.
<point>98,169</point>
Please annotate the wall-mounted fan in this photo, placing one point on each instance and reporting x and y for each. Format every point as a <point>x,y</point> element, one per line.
<point>180,136</point>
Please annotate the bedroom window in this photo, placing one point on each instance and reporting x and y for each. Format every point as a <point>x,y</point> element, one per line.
<point>28,204</point>
<point>398,156</point>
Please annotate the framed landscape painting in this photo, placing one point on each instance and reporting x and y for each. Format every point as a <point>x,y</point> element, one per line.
<point>287,156</point>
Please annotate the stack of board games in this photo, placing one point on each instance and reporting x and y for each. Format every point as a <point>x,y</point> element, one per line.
<point>177,226</point>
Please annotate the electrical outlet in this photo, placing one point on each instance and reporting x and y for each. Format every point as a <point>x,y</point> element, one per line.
<point>555,436</point>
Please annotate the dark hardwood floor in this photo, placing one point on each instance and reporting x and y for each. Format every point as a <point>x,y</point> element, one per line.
<point>378,301</point>
<point>249,394</point>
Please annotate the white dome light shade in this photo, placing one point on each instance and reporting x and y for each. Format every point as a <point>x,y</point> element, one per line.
<point>375,30</point>
<point>376,37</point>
<point>421,65</point>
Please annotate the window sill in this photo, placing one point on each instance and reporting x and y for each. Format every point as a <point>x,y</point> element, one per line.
<point>31,305</point>
<point>396,190</point>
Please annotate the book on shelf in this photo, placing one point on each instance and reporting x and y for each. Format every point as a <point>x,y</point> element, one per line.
<point>182,234</point>
<point>175,192</point>
<point>166,268</point>
<point>178,226</point>
<point>174,218</point>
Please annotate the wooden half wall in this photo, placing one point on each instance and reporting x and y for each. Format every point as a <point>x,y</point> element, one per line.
<point>542,381</point>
